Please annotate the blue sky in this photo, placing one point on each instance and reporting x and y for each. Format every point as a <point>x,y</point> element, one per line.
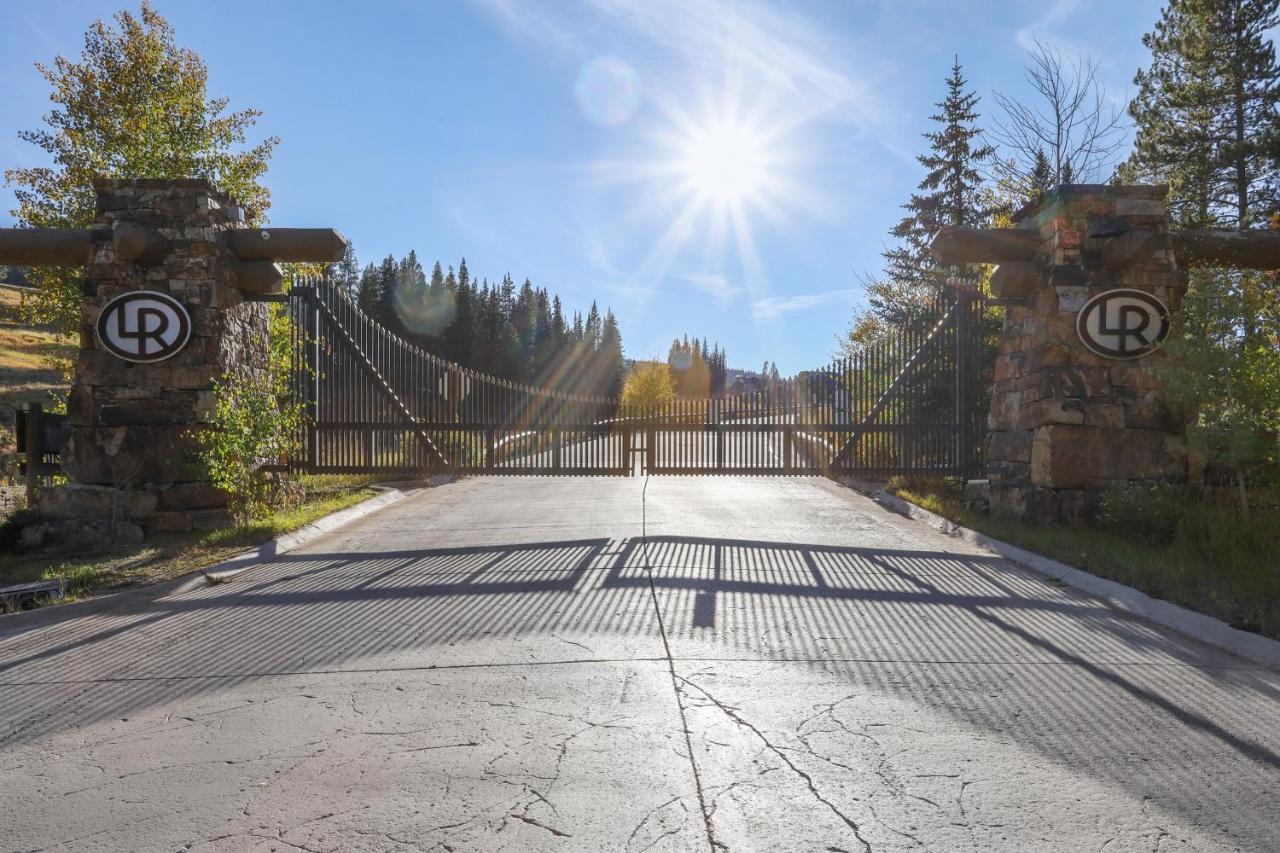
<point>723,169</point>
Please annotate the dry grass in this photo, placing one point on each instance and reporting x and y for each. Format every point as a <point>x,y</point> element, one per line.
<point>27,374</point>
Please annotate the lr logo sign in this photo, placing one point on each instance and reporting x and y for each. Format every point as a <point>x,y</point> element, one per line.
<point>144,326</point>
<point>1123,324</point>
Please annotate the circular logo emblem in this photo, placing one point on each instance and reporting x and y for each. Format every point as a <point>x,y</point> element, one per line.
<point>144,326</point>
<point>1123,324</point>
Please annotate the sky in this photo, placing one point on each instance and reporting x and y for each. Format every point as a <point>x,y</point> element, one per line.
<point>719,168</point>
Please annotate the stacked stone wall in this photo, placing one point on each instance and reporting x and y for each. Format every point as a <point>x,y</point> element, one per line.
<point>1065,423</point>
<point>132,453</point>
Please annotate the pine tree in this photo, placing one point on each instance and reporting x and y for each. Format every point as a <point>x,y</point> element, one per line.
<point>1206,111</point>
<point>433,314</point>
<point>544,337</point>
<point>720,374</point>
<point>509,294</point>
<point>494,345</point>
<point>523,321</point>
<point>460,333</point>
<point>346,273</point>
<point>1041,178</point>
<point>1206,116</point>
<point>591,329</point>
<point>370,295</point>
<point>559,330</point>
<point>412,278</point>
<point>387,309</point>
<point>410,301</point>
<point>610,357</point>
<point>519,335</point>
<point>950,194</point>
<point>693,367</point>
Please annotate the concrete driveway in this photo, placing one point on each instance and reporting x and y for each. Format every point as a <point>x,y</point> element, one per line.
<point>507,664</point>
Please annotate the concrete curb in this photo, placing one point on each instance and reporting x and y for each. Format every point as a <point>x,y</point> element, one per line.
<point>1197,626</point>
<point>14,623</point>
<point>241,563</point>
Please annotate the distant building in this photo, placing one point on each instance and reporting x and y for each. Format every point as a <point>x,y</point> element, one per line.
<point>826,392</point>
<point>742,382</point>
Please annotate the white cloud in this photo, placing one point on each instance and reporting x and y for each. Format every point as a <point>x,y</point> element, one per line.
<point>520,19</point>
<point>598,255</point>
<point>773,307</point>
<point>1056,13</point>
<point>714,284</point>
<point>772,49</point>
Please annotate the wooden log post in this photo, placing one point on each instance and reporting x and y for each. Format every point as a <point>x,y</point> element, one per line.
<point>139,245</point>
<point>259,277</point>
<point>33,449</point>
<point>1239,249</point>
<point>287,244</point>
<point>45,246</point>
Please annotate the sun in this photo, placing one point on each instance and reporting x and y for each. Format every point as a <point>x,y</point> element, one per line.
<point>712,171</point>
<point>724,164</point>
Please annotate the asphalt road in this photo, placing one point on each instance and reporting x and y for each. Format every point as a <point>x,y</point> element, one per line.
<point>508,664</point>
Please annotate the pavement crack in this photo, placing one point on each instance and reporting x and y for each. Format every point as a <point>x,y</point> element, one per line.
<point>278,840</point>
<point>441,746</point>
<point>960,798</point>
<point>586,649</point>
<point>649,814</point>
<point>731,712</point>
<point>671,669</point>
<point>534,822</point>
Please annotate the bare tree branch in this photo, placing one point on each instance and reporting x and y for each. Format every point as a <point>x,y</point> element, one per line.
<point>1068,133</point>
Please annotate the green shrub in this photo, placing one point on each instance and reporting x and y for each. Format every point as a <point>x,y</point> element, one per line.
<point>11,528</point>
<point>1151,513</point>
<point>255,424</point>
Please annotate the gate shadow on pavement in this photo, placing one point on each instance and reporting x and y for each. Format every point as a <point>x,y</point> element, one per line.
<point>929,627</point>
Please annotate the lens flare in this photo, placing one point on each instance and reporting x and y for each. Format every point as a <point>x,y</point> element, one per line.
<point>608,91</point>
<point>425,313</point>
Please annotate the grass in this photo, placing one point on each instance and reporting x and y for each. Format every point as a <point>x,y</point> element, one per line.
<point>1202,555</point>
<point>169,555</point>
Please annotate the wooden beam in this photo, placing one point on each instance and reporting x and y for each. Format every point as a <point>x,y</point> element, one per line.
<point>287,244</point>
<point>1259,250</point>
<point>258,277</point>
<point>51,246</point>
<point>140,245</point>
<point>1015,279</point>
<point>954,244</point>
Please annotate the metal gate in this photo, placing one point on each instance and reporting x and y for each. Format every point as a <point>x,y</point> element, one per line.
<point>376,404</point>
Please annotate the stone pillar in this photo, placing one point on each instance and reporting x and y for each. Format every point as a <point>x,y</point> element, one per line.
<point>131,456</point>
<point>1066,423</point>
